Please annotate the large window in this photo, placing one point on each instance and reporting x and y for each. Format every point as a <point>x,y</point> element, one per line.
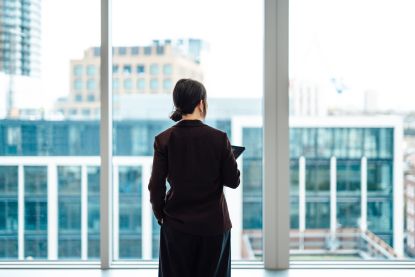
<point>168,52</point>
<point>49,130</point>
<point>351,130</point>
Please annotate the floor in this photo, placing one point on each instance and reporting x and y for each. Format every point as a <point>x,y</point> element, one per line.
<point>235,273</point>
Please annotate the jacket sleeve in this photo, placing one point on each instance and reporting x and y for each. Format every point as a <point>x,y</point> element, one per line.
<point>157,184</point>
<point>229,168</point>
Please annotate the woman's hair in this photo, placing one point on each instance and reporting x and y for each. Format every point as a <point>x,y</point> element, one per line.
<point>187,94</point>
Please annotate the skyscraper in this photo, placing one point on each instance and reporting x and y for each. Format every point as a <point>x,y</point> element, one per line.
<point>20,22</point>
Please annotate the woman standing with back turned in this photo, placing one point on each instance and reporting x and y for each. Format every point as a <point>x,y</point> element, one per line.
<point>197,161</point>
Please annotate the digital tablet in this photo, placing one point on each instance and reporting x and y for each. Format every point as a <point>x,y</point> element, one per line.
<point>237,150</point>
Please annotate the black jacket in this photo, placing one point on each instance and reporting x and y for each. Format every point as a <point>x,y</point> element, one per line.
<point>197,161</point>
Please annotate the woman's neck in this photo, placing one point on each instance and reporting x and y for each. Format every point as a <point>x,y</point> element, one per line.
<point>192,117</point>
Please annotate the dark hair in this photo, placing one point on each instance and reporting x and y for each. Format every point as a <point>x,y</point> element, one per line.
<point>187,94</point>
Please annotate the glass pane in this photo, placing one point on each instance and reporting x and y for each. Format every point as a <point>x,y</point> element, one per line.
<point>351,130</point>
<point>159,55</point>
<point>49,130</point>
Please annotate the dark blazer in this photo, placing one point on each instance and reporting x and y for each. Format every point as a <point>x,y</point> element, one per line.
<point>197,161</point>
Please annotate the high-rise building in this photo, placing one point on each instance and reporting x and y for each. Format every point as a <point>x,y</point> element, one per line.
<point>20,48</point>
<point>151,69</point>
<point>20,22</point>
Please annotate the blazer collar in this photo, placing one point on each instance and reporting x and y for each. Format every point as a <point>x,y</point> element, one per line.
<point>189,123</point>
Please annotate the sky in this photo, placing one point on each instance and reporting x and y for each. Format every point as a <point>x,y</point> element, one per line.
<point>368,44</point>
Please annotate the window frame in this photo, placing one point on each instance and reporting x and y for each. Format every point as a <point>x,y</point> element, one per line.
<point>275,169</point>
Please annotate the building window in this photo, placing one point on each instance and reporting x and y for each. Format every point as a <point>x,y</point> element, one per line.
<point>154,84</point>
<point>154,69</point>
<point>140,68</point>
<point>115,68</point>
<point>128,84</point>
<point>77,70</point>
<point>78,97</point>
<point>78,84</point>
<point>73,111</point>
<point>122,51</point>
<point>135,51</point>
<point>167,84</point>
<point>141,84</point>
<point>126,69</point>
<point>85,111</point>
<point>167,69</point>
<point>97,51</point>
<point>147,50</point>
<point>90,70</point>
<point>160,50</point>
<point>90,84</point>
<point>91,98</point>
<point>115,83</point>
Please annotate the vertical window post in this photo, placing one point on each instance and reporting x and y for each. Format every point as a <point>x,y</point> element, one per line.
<point>276,132</point>
<point>106,136</point>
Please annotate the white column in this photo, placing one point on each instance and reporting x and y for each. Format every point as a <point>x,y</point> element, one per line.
<point>20,211</point>
<point>52,211</point>
<point>276,207</point>
<point>333,204</point>
<point>302,200</point>
<point>363,195</point>
<point>116,213</point>
<point>398,194</point>
<point>84,212</point>
<point>106,136</point>
<point>146,214</point>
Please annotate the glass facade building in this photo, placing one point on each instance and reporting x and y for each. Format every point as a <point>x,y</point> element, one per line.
<point>59,165</point>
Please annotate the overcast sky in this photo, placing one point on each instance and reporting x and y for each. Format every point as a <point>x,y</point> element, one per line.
<point>369,44</point>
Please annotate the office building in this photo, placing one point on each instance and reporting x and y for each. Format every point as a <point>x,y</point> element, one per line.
<point>345,184</point>
<point>150,69</point>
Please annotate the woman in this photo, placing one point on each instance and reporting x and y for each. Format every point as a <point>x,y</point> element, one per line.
<point>197,161</point>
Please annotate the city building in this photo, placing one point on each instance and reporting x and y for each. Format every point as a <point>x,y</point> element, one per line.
<point>345,184</point>
<point>150,69</point>
<point>20,37</point>
<point>20,49</point>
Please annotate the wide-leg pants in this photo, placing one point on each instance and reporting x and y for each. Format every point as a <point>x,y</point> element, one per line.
<point>183,255</point>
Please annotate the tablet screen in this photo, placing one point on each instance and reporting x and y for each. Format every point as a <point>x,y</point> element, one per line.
<point>237,150</point>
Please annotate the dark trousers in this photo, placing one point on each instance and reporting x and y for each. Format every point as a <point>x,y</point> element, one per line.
<point>183,255</point>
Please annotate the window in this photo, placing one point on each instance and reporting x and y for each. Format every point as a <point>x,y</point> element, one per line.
<point>90,84</point>
<point>147,50</point>
<point>78,98</point>
<point>135,51</point>
<point>78,84</point>
<point>115,84</point>
<point>91,98</point>
<point>69,207</point>
<point>115,68</point>
<point>122,51</point>
<point>8,212</point>
<point>167,69</point>
<point>90,70</point>
<point>128,84</point>
<point>154,84</point>
<point>141,84</point>
<point>77,70</point>
<point>126,69</point>
<point>97,51</point>
<point>36,212</point>
<point>140,68</point>
<point>154,69</point>
<point>167,84</point>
